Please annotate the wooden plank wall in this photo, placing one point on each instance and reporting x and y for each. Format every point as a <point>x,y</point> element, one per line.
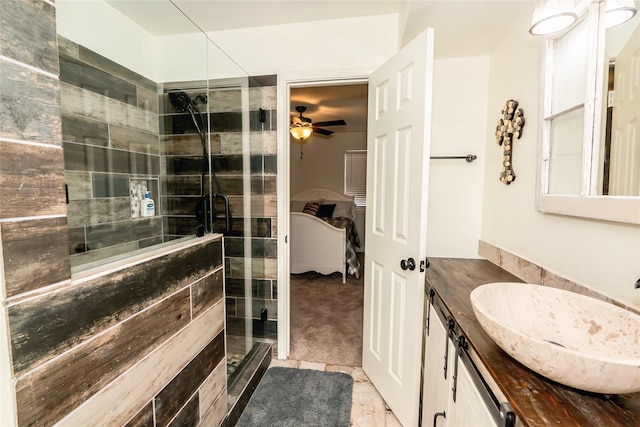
<point>106,350</point>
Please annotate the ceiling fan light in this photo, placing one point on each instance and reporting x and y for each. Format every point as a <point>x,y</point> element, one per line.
<point>618,11</point>
<point>551,16</point>
<point>301,130</point>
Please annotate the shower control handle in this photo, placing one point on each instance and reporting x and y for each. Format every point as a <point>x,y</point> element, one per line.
<point>408,264</point>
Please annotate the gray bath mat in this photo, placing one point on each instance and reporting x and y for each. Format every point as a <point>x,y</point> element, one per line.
<point>288,397</point>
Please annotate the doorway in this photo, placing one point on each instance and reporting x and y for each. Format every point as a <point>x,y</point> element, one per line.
<point>326,314</point>
<point>338,97</point>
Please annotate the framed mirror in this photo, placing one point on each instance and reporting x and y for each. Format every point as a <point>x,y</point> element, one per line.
<point>590,148</point>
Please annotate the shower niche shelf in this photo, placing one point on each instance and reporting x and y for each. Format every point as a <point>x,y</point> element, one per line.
<point>137,189</point>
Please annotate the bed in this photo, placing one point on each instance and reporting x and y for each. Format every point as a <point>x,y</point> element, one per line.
<point>321,243</point>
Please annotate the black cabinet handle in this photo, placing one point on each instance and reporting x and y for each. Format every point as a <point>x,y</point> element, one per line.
<point>507,415</point>
<point>461,345</point>
<point>450,326</point>
<point>442,414</point>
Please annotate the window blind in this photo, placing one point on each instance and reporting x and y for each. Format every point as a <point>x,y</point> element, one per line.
<point>355,175</point>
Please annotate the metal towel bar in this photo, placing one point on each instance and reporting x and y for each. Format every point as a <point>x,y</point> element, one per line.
<point>469,157</point>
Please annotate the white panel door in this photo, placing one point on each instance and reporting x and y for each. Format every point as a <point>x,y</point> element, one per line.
<point>625,144</point>
<point>397,183</point>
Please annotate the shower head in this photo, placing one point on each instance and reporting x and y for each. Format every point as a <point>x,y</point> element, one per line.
<point>181,101</point>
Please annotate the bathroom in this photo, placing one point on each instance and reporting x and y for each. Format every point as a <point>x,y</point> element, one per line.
<point>602,255</point>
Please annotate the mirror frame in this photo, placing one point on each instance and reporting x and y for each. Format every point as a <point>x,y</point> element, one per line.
<point>625,209</point>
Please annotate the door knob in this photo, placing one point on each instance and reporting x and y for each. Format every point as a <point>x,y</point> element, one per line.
<point>408,264</point>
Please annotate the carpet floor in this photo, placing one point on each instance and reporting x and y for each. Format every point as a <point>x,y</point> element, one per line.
<point>288,397</point>
<point>326,319</point>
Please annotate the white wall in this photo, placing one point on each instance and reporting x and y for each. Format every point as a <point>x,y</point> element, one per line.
<point>180,58</point>
<point>322,162</point>
<point>459,123</point>
<point>192,57</point>
<point>601,255</point>
<point>340,44</point>
<point>99,27</point>
<point>103,29</point>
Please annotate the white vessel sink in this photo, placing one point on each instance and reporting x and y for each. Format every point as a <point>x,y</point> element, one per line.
<point>573,339</point>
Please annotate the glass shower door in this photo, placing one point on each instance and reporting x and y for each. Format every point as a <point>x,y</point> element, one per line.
<point>240,111</point>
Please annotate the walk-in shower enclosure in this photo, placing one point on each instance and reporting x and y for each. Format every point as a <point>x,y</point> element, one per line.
<point>124,137</point>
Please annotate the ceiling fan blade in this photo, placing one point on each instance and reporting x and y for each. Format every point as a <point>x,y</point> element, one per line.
<point>305,119</point>
<point>331,123</point>
<point>322,131</point>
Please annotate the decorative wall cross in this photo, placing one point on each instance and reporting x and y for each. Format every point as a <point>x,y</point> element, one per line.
<point>509,128</point>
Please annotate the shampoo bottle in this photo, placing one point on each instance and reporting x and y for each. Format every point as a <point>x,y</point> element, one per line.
<point>148,206</point>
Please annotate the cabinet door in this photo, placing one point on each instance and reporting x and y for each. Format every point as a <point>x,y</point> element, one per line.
<point>469,408</point>
<point>437,380</point>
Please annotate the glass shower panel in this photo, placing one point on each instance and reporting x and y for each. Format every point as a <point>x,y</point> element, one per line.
<point>237,117</point>
<point>184,134</point>
<point>113,122</point>
<point>262,187</point>
<point>230,161</point>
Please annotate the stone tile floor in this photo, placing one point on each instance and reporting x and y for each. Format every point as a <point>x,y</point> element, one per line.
<point>368,409</point>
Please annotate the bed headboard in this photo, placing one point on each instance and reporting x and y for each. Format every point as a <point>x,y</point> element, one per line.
<point>320,193</point>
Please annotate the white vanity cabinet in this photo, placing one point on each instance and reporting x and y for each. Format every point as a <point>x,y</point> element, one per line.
<point>469,409</point>
<point>438,353</point>
<point>453,392</point>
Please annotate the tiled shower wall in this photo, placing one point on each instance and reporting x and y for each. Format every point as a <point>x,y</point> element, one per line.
<point>134,346</point>
<point>183,152</point>
<point>123,143</point>
<point>110,137</point>
<point>262,236</point>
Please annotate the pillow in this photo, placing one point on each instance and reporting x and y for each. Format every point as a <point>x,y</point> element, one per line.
<point>345,208</point>
<point>311,208</point>
<point>325,211</point>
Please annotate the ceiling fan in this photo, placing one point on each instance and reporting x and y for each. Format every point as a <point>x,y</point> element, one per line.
<point>305,123</point>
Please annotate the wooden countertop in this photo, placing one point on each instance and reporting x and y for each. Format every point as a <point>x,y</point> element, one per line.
<point>535,400</point>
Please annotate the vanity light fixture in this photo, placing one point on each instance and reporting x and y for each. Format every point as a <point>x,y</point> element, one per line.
<point>550,16</point>
<point>618,11</point>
